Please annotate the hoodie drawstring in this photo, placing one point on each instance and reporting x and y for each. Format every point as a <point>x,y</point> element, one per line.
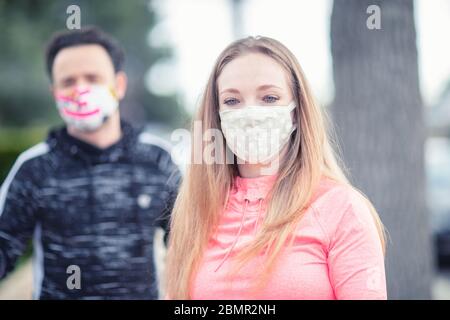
<point>240,230</point>
<point>259,215</point>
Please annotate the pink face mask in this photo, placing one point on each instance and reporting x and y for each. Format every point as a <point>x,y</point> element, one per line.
<point>87,108</point>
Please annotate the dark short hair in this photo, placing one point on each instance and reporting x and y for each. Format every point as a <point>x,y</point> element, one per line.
<point>87,35</point>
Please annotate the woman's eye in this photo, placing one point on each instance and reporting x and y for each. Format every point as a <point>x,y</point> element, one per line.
<point>270,99</point>
<point>231,101</point>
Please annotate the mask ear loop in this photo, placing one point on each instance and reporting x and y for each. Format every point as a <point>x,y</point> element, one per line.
<point>291,107</point>
<point>113,92</point>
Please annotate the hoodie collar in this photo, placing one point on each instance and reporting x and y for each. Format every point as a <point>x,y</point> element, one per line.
<point>245,194</point>
<point>252,189</point>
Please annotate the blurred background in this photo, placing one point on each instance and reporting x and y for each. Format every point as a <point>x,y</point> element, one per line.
<point>387,91</point>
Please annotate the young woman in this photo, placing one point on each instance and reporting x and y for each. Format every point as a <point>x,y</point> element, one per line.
<point>286,226</point>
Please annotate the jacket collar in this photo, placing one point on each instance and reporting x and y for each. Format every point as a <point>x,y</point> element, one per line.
<point>61,140</point>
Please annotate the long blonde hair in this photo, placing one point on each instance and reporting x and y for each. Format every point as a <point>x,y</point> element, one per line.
<point>204,190</point>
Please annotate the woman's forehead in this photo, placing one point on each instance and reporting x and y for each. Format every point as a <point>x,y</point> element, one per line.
<point>253,70</point>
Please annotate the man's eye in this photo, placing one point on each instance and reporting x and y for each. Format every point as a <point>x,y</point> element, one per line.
<point>92,79</point>
<point>231,101</point>
<point>67,83</point>
<point>270,99</point>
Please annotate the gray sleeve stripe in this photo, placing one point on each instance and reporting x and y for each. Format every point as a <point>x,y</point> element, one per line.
<point>151,139</point>
<point>38,263</point>
<point>148,138</point>
<point>31,153</point>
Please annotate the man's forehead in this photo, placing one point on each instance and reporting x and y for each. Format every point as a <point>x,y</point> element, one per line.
<point>82,58</point>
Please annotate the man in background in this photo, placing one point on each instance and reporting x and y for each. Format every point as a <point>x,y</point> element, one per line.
<point>91,195</point>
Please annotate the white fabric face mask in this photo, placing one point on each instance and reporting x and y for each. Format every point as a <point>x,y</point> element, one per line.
<point>87,108</point>
<point>256,134</point>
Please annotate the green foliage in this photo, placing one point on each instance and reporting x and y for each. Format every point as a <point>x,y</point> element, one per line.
<point>27,25</point>
<point>13,141</point>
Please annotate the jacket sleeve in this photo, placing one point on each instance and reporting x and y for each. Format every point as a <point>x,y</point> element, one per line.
<point>17,215</point>
<point>173,175</point>
<point>356,261</point>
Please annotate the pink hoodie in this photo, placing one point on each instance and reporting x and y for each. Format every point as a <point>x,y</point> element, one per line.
<point>336,253</point>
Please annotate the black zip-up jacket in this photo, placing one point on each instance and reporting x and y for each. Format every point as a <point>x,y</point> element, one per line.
<point>92,214</point>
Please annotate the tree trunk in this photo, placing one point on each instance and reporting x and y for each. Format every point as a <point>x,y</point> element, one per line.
<point>378,117</point>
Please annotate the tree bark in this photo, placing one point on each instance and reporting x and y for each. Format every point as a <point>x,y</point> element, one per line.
<point>378,117</point>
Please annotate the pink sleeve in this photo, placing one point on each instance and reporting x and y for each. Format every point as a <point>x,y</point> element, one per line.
<point>355,257</point>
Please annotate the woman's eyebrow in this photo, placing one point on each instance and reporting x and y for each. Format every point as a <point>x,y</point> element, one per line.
<point>267,86</point>
<point>230,90</point>
<point>259,88</point>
